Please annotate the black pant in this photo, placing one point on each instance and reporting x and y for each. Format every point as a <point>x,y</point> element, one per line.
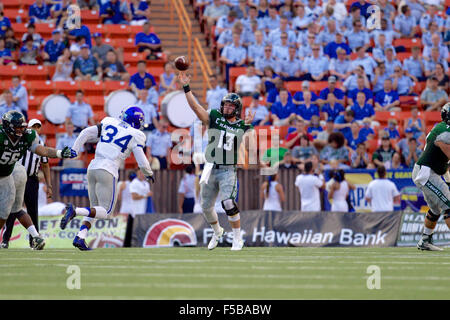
<point>31,202</point>
<point>128,232</point>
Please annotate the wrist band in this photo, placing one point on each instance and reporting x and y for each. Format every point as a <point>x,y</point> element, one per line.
<point>59,154</point>
<point>186,88</point>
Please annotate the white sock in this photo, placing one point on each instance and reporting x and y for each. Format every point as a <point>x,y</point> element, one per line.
<point>83,211</point>
<point>236,233</point>
<point>427,231</point>
<point>216,227</point>
<point>33,232</point>
<point>100,213</point>
<point>83,233</point>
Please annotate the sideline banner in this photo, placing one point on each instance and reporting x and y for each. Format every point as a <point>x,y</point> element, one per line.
<point>412,228</point>
<point>103,234</point>
<point>73,182</point>
<point>272,229</point>
<point>411,196</point>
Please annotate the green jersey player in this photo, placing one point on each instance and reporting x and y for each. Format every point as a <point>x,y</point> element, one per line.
<point>427,172</point>
<point>15,140</point>
<point>226,132</point>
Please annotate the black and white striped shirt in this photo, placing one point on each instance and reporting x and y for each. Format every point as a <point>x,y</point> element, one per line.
<point>31,161</point>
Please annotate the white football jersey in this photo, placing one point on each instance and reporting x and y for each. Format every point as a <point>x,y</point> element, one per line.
<point>117,140</point>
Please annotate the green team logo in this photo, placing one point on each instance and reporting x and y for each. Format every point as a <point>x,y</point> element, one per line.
<point>9,158</point>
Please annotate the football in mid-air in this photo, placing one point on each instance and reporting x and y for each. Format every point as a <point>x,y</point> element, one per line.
<point>181,63</point>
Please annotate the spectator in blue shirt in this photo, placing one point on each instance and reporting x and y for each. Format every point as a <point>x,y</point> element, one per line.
<point>137,79</point>
<point>80,113</point>
<point>390,61</point>
<point>39,12</point>
<point>405,23</point>
<point>366,131</point>
<point>256,50</point>
<point>147,41</point>
<point>84,32</point>
<point>5,23</point>
<point>357,37</point>
<point>233,55</point>
<point>266,61</point>
<point>331,48</point>
<point>274,94</point>
<point>314,126</point>
<point>268,79</point>
<point>363,7</point>
<point>215,94</point>
<point>282,112</point>
<point>361,108</point>
<point>8,104</point>
<point>344,121</point>
<point>360,87</point>
<point>114,12</point>
<point>380,76</point>
<point>307,109</point>
<point>291,68</point>
<point>338,93</point>
<point>316,66</point>
<point>53,48</point>
<point>332,109</point>
<point>5,54</point>
<point>298,96</point>
<point>140,12</point>
<point>387,99</point>
<point>402,83</point>
<point>415,65</point>
<point>29,52</point>
<point>355,138</point>
<point>341,67</point>
<point>364,60</point>
<point>391,129</point>
<point>352,81</point>
<point>86,67</point>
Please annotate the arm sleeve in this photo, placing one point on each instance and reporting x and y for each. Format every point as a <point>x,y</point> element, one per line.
<point>90,133</point>
<point>142,161</point>
<point>35,142</point>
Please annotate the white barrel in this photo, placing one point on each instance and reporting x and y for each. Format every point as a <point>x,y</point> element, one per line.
<point>117,101</point>
<point>176,108</point>
<point>55,107</point>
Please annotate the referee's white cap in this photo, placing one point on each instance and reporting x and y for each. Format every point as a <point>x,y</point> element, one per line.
<point>32,122</point>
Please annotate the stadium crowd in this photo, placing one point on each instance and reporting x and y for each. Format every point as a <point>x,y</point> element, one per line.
<point>320,71</point>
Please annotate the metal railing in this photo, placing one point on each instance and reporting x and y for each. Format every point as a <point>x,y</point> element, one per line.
<point>202,62</point>
<point>184,23</point>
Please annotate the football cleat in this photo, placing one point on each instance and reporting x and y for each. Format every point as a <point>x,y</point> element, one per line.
<point>4,245</point>
<point>80,244</point>
<point>68,215</point>
<point>426,243</point>
<point>237,245</point>
<point>215,239</point>
<point>38,243</point>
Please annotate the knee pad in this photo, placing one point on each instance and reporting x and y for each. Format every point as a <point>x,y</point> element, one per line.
<point>432,217</point>
<point>230,207</point>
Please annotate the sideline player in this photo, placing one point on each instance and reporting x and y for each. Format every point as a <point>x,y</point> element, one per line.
<point>116,138</point>
<point>427,172</point>
<point>15,140</point>
<point>219,178</point>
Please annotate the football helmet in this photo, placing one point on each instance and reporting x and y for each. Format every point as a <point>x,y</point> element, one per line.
<point>134,116</point>
<point>445,113</point>
<point>236,101</point>
<point>14,123</point>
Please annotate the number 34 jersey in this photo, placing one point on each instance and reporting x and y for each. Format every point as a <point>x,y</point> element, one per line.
<point>11,152</point>
<point>117,140</point>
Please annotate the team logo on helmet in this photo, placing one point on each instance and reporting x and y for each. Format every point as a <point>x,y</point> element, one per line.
<point>236,101</point>
<point>134,116</point>
<point>445,113</point>
<point>169,233</point>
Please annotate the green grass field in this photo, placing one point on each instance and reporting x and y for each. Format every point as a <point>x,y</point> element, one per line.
<point>253,273</point>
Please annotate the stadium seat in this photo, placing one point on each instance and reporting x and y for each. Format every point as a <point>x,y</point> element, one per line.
<point>293,86</point>
<point>401,56</point>
<point>246,101</point>
<point>11,4</point>
<point>33,72</point>
<point>132,58</point>
<point>372,145</point>
<point>408,43</point>
<point>45,30</point>
<point>40,87</point>
<point>19,30</point>
<point>156,72</point>
<point>110,86</point>
<point>318,86</point>
<point>91,87</point>
<point>90,16</point>
<point>34,103</point>
<point>235,72</point>
<point>127,44</point>
<point>432,117</point>
<point>68,88</point>
<point>99,115</point>
<point>7,72</point>
<point>408,101</point>
<point>419,87</point>
<point>97,102</point>
<point>12,14</point>
<point>35,114</point>
<point>116,31</point>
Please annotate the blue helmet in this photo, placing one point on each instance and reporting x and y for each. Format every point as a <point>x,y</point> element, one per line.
<point>134,116</point>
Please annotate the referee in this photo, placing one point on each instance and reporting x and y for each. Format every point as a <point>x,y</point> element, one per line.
<point>31,163</point>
